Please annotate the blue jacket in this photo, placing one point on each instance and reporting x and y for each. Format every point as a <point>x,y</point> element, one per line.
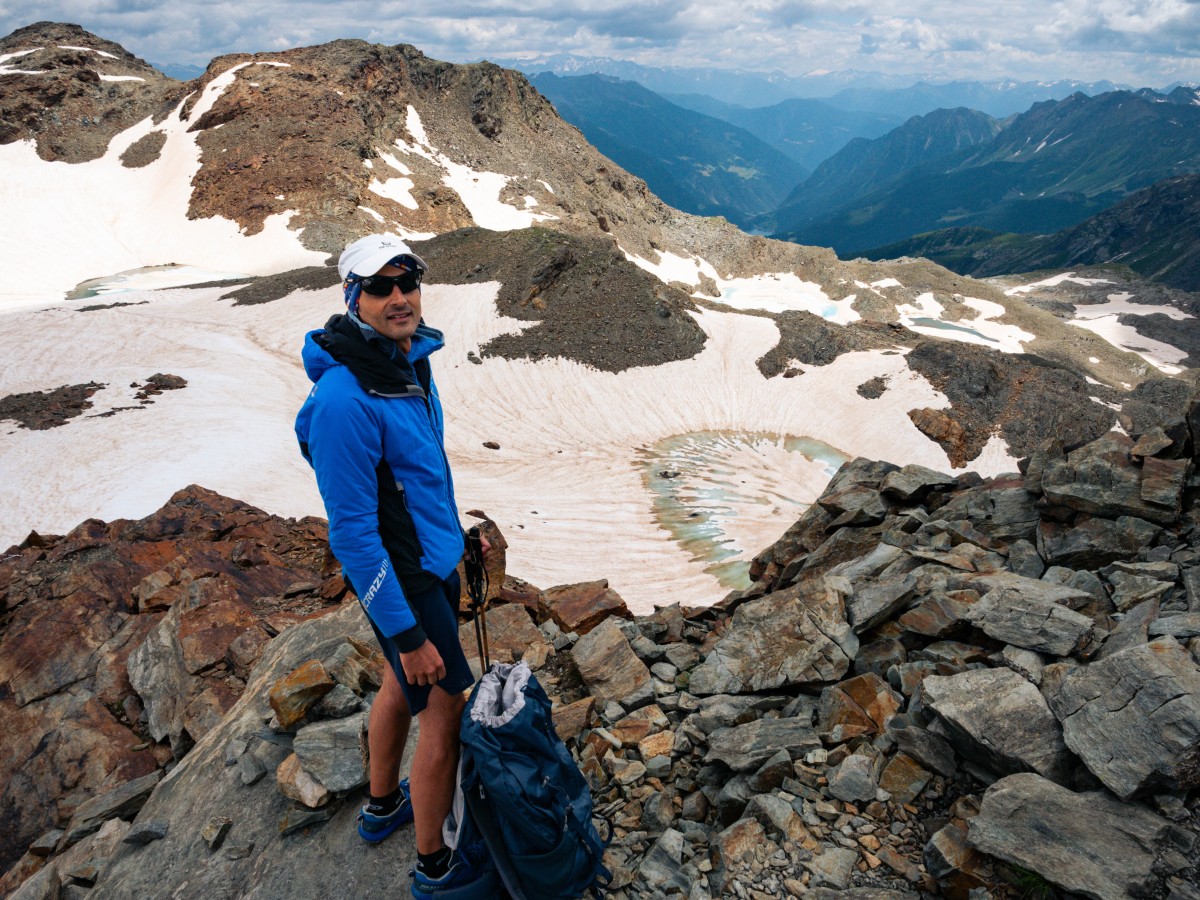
<point>372,430</point>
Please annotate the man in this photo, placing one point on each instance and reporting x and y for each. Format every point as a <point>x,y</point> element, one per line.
<point>372,430</point>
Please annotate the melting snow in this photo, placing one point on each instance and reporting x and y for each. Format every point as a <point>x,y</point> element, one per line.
<point>1118,304</point>
<point>117,219</point>
<point>671,267</point>
<point>88,50</point>
<point>1162,356</point>
<point>480,191</point>
<point>924,316</point>
<point>1054,281</point>
<point>563,451</point>
<point>104,77</point>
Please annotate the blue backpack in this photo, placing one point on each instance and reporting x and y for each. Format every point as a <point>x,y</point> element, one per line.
<point>524,794</point>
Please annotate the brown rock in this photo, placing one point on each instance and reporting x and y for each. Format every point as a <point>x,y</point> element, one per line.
<point>514,590</point>
<point>903,778</point>
<point>511,636</point>
<point>640,723</point>
<point>296,693</point>
<point>660,744</point>
<point>571,719</point>
<point>859,705</point>
<point>298,785</point>
<point>581,607</point>
<point>610,668</point>
<point>206,633</point>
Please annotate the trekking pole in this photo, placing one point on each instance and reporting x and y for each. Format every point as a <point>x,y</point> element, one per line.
<point>477,585</point>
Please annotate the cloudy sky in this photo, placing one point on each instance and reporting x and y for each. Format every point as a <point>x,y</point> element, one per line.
<point>1140,42</point>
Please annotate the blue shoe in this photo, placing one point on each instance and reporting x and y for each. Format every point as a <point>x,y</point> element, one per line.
<point>464,875</point>
<point>375,828</point>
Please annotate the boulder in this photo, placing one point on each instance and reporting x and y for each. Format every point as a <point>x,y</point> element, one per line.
<point>913,483</point>
<point>791,637</point>
<point>744,748</point>
<point>1087,844</point>
<point>1101,479</point>
<point>256,859</point>
<point>903,778</point>
<point>1092,542</point>
<point>1134,718</point>
<point>1001,509</point>
<point>1031,621</point>
<point>511,636</point>
<point>610,668</point>
<point>878,601</point>
<point>298,785</point>
<point>662,865</point>
<point>120,803</point>
<point>297,692</point>
<point>998,719</point>
<point>581,607</point>
<point>855,779</point>
<point>335,751</point>
<point>859,705</point>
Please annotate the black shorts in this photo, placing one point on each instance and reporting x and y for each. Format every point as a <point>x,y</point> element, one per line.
<point>437,611</point>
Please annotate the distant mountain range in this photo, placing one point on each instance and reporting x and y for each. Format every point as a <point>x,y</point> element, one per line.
<point>1156,232</point>
<point>1048,169</point>
<point>809,131</point>
<point>865,166</point>
<point>897,96</point>
<point>692,161</point>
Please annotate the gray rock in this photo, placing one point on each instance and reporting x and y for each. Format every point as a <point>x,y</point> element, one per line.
<point>1026,663</point>
<point>745,748</point>
<point>1093,542</point>
<point>832,868</point>
<point>791,637</point>
<point>875,602</point>
<point>120,803</point>
<point>1130,590</point>
<point>778,817</point>
<point>931,750</point>
<point>1005,514</point>
<point>913,483</point>
<point>1134,718</point>
<point>681,656</point>
<point>998,719</point>
<point>609,667</point>
<point>861,893</point>
<point>1030,621</point>
<point>214,831</point>
<point>338,703</point>
<point>1180,627</point>
<point>732,798</point>
<point>662,866</point>
<point>303,867</point>
<point>1100,479</point>
<point>1024,559</point>
<point>233,750</point>
<point>855,779</point>
<point>1132,631</point>
<point>47,843</point>
<point>1087,844</point>
<point>335,751</point>
<point>1191,584</point>
<point>250,767</point>
<point>143,833</point>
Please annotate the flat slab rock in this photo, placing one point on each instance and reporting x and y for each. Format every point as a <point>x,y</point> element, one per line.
<point>998,719</point>
<point>746,747</point>
<point>791,637</point>
<point>1031,621</point>
<point>1134,718</point>
<point>1087,844</point>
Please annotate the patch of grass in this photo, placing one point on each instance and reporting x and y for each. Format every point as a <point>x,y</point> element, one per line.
<point>1033,886</point>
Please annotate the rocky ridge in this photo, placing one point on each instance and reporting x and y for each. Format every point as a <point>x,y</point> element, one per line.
<point>936,684</point>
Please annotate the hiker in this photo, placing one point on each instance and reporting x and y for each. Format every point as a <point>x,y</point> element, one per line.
<point>372,430</point>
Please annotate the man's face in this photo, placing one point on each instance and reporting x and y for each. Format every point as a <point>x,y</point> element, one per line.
<point>395,316</point>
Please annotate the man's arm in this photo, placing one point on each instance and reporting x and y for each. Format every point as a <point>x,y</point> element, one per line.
<point>345,446</point>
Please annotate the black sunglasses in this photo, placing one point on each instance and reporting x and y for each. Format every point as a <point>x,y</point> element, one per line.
<point>381,285</point>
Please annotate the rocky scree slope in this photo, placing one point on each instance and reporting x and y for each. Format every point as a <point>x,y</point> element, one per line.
<point>72,91</point>
<point>936,683</point>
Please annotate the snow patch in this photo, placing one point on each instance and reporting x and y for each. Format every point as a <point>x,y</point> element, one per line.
<point>104,77</point>
<point>480,191</point>
<point>671,267</point>
<point>1162,356</point>
<point>89,50</point>
<point>1054,281</point>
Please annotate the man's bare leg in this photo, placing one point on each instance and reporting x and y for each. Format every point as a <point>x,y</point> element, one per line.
<point>387,734</point>
<point>435,767</point>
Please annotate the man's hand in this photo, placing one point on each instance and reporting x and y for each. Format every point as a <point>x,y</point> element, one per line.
<point>423,665</point>
<point>485,546</point>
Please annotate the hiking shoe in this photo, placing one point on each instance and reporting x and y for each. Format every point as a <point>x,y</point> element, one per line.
<point>466,869</point>
<point>374,828</point>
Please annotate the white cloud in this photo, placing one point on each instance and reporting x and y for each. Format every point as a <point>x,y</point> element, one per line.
<point>1145,42</point>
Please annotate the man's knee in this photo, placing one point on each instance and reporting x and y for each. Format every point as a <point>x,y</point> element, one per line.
<point>442,713</point>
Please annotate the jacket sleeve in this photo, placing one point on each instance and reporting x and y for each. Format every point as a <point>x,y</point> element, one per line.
<point>345,446</point>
